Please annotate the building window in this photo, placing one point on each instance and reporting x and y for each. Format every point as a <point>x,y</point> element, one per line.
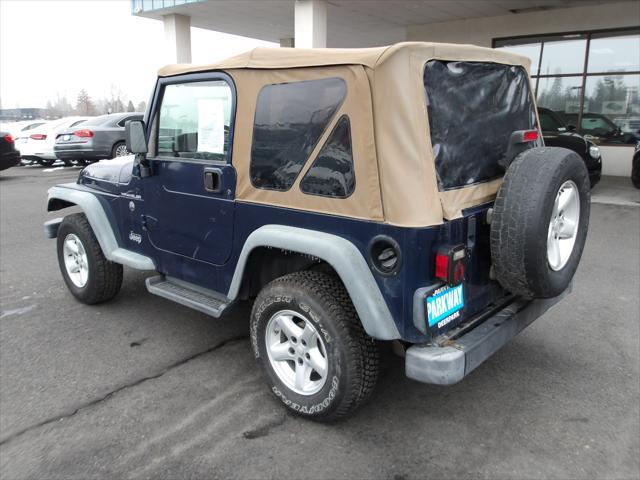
<point>289,121</point>
<point>591,80</point>
<point>332,173</point>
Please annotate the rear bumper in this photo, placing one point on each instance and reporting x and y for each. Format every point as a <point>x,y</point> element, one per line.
<point>446,365</point>
<point>80,151</point>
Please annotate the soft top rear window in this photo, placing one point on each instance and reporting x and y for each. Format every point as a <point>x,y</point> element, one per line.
<point>473,108</point>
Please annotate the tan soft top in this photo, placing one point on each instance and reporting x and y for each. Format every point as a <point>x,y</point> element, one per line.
<point>262,57</point>
<point>386,103</point>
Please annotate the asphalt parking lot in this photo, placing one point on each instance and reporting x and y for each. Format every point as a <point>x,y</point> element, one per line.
<point>144,388</point>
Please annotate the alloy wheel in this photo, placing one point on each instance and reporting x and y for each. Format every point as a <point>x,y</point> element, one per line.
<point>296,352</point>
<point>563,226</point>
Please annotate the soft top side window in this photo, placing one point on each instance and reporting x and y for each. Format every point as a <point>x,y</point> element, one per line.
<point>332,173</point>
<point>289,121</point>
<point>194,120</point>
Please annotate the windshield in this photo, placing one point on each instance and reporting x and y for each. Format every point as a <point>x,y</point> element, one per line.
<point>473,109</point>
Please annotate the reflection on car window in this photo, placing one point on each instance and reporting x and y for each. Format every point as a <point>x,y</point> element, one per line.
<point>194,120</point>
<point>77,123</point>
<point>332,173</point>
<point>549,124</point>
<point>289,121</point>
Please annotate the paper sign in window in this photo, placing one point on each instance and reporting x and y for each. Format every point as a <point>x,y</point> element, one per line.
<point>211,125</point>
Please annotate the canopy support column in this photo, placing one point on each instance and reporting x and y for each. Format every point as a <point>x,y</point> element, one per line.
<point>311,23</point>
<point>177,36</point>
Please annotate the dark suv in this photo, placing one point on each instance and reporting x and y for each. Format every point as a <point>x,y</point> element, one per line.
<point>354,196</point>
<point>557,133</point>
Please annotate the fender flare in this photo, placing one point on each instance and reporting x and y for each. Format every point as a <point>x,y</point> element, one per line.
<point>63,196</point>
<point>345,259</point>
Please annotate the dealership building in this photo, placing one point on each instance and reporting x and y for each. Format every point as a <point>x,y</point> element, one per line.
<point>585,54</point>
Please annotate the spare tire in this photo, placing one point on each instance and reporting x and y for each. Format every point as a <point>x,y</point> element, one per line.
<point>540,221</point>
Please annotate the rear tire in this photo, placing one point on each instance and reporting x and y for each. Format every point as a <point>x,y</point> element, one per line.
<point>540,222</point>
<point>119,150</point>
<point>90,277</point>
<point>339,366</point>
<point>45,162</point>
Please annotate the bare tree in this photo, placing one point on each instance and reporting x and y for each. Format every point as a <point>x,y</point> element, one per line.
<point>130,107</point>
<point>60,107</point>
<point>142,106</point>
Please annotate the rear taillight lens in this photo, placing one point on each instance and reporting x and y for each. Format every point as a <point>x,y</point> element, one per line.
<point>38,136</point>
<point>83,133</point>
<point>530,136</point>
<point>8,138</point>
<point>451,264</point>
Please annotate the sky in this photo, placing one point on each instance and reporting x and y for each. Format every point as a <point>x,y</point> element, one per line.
<point>57,47</point>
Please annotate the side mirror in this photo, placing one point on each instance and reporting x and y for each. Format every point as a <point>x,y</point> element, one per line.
<point>135,136</point>
<point>571,128</point>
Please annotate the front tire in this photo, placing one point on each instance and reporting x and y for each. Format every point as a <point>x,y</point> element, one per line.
<point>307,337</point>
<point>90,277</point>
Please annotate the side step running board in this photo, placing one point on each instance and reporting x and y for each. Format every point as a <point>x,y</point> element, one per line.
<point>189,295</point>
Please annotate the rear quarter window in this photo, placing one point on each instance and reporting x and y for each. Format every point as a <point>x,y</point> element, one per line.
<point>289,121</point>
<point>332,173</point>
<point>473,108</point>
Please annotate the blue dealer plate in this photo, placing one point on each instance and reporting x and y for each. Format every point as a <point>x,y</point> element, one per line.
<point>443,304</point>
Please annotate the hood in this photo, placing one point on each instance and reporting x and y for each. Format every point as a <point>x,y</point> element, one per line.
<point>116,170</point>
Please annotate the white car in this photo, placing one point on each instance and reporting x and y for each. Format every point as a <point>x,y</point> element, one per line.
<point>21,129</point>
<point>38,145</point>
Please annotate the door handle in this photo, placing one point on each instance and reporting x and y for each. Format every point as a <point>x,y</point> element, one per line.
<point>213,180</point>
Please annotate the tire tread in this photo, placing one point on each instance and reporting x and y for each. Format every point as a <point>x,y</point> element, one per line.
<point>362,350</point>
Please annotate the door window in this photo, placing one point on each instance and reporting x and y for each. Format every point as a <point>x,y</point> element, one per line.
<point>194,120</point>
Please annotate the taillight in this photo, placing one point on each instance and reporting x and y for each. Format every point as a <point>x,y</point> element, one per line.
<point>451,263</point>
<point>8,138</point>
<point>83,133</point>
<point>530,136</point>
<point>38,136</point>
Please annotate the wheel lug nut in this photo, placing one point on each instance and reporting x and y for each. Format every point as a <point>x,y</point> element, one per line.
<point>307,356</point>
<point>304,344</point>
<point>291,350</point>
<point>293,339</point>
<point>299,361</point>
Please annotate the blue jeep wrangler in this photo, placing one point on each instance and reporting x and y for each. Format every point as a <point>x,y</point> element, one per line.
<point>393,194</point>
